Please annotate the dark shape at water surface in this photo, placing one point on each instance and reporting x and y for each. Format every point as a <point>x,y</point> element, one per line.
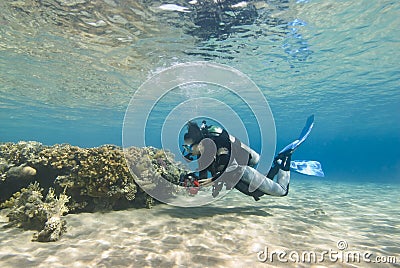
<point>225,27</point>
<point>219,19</point>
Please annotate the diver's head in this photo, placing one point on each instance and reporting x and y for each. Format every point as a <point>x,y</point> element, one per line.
<point>193,135</point>
<point>192,138</point>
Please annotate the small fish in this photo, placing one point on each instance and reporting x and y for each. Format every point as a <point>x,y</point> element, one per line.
<point>240,5</point>
<point>173,7</point>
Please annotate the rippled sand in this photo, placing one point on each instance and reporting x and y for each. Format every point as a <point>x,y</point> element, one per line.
<point>228,233</point>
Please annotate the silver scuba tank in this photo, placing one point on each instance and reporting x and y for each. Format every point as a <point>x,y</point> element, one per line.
<point>254,157</point>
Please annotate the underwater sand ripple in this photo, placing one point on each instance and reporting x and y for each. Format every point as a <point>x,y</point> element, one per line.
<point>227,233</point>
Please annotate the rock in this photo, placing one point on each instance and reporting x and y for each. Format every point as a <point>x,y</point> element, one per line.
<point>319,212</point>
<point>52,230</point>
<point>22,171</point>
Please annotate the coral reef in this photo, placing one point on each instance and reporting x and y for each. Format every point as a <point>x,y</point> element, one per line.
<point>86,179</point>
<point>153,168</point>
<point>95,178</point>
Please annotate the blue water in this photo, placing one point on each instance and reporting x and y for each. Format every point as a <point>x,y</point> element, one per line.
<point>64,80</point>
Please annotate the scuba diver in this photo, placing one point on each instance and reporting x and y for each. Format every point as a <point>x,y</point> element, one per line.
<point>231,163</point>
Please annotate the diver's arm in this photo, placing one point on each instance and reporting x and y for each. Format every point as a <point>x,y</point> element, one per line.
<point>209,181</point>
<point>203,174</point>
<point>206,182</point>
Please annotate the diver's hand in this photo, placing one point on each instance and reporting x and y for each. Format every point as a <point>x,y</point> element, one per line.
<point>209,181</point>
<point>206,182</point>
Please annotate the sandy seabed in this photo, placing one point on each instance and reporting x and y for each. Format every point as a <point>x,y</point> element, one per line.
<point>347,220</point>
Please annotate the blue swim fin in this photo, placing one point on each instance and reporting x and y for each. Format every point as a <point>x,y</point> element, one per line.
<point>311,168</point>
<point>303,136</point>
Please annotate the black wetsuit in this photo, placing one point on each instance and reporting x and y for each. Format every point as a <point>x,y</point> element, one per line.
<point>223,160</point>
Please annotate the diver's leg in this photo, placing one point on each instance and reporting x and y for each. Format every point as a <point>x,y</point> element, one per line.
<point>273,171</point>
<point>254,178</point>
<point>254,158</point>
<point>281,161</point>
<point>244,188</point>
<point>283,176</point>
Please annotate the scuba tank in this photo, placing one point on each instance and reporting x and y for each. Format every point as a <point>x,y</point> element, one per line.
<point>254,157</point>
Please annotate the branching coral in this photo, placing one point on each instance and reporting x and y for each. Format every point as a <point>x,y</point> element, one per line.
<point>28,210</point>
